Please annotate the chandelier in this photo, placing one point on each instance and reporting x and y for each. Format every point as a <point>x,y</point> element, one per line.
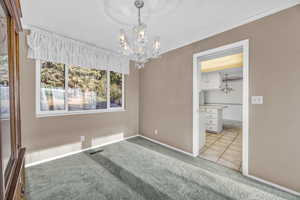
<point>137,47</point>
<point>226,88</point>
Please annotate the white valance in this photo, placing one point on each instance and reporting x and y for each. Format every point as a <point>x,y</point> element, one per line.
<point>47,46</point>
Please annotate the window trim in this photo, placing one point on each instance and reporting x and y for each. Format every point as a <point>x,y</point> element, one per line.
<point>40,113</point>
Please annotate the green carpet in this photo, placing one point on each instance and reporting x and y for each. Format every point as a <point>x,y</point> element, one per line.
<point>139,169</point>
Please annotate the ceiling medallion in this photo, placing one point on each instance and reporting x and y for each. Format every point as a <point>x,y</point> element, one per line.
<point>123,12</point>
<point>137,46</point>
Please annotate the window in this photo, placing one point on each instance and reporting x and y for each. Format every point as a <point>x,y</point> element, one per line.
<point>116,86</point>
<point>52,92</point>
<point>5,99</point>
<point>87,89</point>
<point>71,89</point>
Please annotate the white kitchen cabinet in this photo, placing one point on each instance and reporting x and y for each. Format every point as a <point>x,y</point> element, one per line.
<point>211,81</point>
<point>213,119</point>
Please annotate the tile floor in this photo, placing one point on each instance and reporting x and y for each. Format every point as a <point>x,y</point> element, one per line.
<point>224,148</point>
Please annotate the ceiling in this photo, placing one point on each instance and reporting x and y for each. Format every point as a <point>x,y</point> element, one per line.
<point>189,21</point>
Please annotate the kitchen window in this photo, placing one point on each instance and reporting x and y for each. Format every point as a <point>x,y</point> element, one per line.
<point>68,89</point>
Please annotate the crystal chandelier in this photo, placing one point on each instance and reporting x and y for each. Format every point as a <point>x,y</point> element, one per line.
<point>226,88</point>
<point>138,47</point>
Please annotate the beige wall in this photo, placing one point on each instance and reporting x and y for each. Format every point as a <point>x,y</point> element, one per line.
<point>52,136</point>
<point>166,95</point>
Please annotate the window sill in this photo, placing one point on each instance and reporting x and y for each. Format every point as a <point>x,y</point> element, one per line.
<point>81,112</point>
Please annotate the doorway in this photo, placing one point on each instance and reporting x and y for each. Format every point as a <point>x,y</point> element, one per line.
<point>220,105</point>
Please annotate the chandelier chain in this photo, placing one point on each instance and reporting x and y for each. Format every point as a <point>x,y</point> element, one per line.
<point>139,4</point>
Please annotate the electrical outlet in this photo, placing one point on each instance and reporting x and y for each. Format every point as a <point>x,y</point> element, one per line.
<point>155,131</point>
<point>257,99</point>
<point>82,138</point>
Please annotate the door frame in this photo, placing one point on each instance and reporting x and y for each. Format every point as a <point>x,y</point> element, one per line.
<point>244,44</point>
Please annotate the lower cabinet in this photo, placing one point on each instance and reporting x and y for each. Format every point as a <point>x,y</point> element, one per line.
<point>214,120</point>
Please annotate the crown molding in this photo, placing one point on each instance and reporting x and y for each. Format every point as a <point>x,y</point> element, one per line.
<point>228,27</point>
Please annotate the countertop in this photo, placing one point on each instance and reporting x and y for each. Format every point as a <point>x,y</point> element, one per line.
<point>213,106</point>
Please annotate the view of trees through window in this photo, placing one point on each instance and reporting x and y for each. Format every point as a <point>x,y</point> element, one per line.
<point>52,87</point>
<point>86,88</point>
<point>115,89</point>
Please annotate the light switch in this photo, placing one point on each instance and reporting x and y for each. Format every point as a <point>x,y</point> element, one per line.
<point>257,100</point>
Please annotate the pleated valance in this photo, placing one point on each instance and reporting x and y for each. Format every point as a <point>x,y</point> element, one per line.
<point>47,46</point>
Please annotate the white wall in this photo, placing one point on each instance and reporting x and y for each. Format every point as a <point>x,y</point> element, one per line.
<point>233,100</point>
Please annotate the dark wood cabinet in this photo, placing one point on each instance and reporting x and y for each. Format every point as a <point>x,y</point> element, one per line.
<point>11,151</point>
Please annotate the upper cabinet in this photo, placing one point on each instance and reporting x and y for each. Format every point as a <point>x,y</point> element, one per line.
<point>211,81</point>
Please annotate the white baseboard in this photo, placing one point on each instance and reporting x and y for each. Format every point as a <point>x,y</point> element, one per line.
<point>168,146</point>
<point>274,185</point>
<point>75,152</point>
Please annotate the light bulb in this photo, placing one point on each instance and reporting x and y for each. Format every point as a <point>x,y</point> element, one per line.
<point>156,44</point>
<point>140,33</point>
<point>156,47</point>
<point>122,36</point>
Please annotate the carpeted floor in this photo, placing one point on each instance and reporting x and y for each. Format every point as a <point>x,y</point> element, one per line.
<point>139,169</point>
